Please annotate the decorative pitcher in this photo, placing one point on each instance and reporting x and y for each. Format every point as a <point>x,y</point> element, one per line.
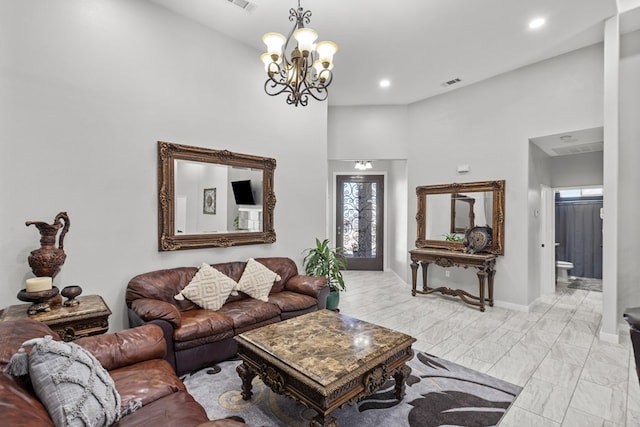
<point>47,260</point>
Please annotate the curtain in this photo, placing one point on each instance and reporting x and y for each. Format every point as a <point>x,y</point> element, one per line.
<point>579,233</point>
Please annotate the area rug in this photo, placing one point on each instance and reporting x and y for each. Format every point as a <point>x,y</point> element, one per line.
<point>586,283</point>
<point>439,393</point>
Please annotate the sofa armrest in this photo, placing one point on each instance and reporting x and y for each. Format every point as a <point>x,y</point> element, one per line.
<point>126,347</point>
<point>307,285</point>
<point>151,309</point>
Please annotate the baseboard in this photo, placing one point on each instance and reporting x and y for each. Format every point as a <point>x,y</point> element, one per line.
<point>607,337</point>
<point>510,306</point>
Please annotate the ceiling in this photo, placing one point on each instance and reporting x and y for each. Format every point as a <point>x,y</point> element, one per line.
<point>576,142</point>
<point>417,45</point>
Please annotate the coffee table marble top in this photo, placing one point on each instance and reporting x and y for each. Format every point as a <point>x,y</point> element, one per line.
<point>325,346</point>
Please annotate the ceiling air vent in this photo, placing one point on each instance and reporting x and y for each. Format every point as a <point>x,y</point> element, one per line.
<point>451,82</point>
<point>578,149</point>
<point>243,4</point>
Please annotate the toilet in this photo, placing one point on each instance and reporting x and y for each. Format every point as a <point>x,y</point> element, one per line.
<point>562,271</point>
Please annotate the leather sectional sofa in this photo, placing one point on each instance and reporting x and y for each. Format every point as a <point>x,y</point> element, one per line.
<point>134,360</point>
<point>200,337</point>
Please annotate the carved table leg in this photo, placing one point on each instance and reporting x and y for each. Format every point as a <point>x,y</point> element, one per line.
<point>322,421</point>
<point>490,279</point>
<point>481,275</point>
<point>400,376</point>
<point>246,375</point>
<point>424,265</point>
<point>414,278</point>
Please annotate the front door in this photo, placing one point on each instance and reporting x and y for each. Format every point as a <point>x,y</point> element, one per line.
<point>359,220</point>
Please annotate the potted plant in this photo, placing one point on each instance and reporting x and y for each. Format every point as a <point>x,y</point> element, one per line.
<point>323,261</point>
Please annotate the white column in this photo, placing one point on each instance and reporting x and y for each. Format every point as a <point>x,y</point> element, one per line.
<point>609,330</point>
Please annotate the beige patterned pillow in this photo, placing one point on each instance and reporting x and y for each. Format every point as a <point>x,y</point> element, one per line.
<point>209,288</point>
<point>257,280</point>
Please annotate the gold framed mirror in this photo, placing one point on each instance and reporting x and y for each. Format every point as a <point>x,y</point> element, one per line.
<point>437,222</point>
<point>213,198</point>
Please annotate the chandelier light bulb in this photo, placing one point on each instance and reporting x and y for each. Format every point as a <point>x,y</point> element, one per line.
<point>305,38</point>
<point>274,42</point>
<point>326,49</point>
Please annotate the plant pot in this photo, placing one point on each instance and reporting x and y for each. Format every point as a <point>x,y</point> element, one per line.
<point>333,299</point>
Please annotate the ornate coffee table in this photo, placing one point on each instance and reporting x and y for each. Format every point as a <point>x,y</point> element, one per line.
<point>324,360</point>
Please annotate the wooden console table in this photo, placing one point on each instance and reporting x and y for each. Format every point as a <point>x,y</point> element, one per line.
<point>90,317</point>
<point>485,264</point>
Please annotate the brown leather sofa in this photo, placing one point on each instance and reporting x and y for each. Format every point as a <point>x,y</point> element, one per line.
<point>197,337</point>
<point>134,359</point>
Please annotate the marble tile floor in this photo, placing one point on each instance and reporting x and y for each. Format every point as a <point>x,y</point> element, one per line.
<point>569,377</point>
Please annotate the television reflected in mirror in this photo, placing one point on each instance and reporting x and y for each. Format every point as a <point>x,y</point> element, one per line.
<point>242,192</point>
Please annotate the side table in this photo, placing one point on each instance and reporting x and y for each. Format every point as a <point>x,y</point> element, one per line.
<point>90,317</point>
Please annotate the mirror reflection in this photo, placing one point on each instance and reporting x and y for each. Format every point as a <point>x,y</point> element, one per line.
<point>445,212</point>
<point>213,198</point>
<point>462,214</point>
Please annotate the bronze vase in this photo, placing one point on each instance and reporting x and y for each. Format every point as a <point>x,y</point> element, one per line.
<point>47,260</point>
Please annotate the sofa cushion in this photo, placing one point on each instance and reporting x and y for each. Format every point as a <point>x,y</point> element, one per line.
<point>15,332</point>
<point>257,280</point>
<point>285,267</point>
<point>145,382</point>
<point>209,288</point>
<point>175,410</point>
<point>292,301</point>
<point>249,311</point>
<point>126,347</point>
<point>201,323</point>
<point>70,383</point>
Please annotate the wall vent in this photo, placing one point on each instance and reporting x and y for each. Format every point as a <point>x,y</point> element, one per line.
<point>243,4</point>
<point>451,82</point>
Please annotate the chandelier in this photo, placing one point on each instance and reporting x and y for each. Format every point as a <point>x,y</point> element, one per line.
<point>363,164</point>
<point>306,70</point>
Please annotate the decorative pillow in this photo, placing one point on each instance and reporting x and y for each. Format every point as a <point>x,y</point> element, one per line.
<point>209,288</point>
<point>69,381</point>
<point>257,280</point>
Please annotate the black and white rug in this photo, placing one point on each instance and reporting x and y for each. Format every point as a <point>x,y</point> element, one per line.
<point>439,393</point>
<point>586,283</point>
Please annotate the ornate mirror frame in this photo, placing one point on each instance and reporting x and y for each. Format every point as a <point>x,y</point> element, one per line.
<point>167,239</point>
<point>497,187</point>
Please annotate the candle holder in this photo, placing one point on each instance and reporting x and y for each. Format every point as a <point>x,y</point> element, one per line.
<point>39,300</point>
<point>71,292</point>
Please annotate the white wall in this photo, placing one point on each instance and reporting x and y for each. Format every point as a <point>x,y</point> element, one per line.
<point>368,133</point>
<point>576,170</point>
<point>375,133</point>
<point>488,126</point>
<point>539,174</point>
<point>87,87</point>
<point>629,172</point>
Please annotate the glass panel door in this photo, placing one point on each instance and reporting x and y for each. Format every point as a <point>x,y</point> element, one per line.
<point>359,220</point>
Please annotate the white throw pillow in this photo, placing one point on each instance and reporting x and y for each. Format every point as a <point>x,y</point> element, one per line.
<point>209,288</point>
<point>257,280</point>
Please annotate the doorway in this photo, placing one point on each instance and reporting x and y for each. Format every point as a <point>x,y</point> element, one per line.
<point>359,220</point>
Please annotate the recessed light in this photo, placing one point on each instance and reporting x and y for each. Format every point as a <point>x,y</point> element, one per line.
<point>537,23</point>
<point>385,83</point>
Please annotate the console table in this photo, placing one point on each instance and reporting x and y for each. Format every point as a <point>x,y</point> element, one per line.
<point>485,264</point>
<point>89,317</point>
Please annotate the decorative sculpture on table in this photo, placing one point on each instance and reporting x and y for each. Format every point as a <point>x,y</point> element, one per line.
<point>71,292</point>
<point>45,262</point>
